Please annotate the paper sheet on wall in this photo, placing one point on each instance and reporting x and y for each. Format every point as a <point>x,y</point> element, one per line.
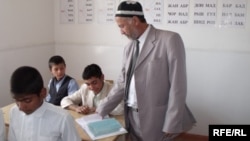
<point>67,11</point>
<point>233,13</point>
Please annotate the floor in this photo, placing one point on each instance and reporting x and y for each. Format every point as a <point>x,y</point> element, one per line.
<point>183,137</point>
<point>191,137</point>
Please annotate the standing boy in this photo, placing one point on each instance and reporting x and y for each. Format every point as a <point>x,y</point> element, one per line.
<point>60,85</point>
<point>32,119</point>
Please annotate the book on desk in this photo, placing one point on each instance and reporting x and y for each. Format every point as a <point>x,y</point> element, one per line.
<point>98,128</point>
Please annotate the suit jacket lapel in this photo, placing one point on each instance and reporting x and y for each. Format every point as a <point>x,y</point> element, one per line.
<point>130,54</point>
<point>147,47</point>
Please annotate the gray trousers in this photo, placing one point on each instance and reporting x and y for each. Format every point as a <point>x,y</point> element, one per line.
<point>135,129</point>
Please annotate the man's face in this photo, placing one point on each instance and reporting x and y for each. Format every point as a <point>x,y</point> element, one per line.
<point>28,103</point>
<point>127,27</point>
<point>58,70</point>
<point>95,84</point>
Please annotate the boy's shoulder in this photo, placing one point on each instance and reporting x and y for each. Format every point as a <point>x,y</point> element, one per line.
<point>47,110</point>
<point>55,109</point>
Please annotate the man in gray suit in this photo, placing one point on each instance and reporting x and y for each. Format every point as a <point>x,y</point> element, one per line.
<point>155,97</point>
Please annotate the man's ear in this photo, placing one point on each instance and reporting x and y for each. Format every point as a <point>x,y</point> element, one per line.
<point>43,92</point>
<point>135,20</point>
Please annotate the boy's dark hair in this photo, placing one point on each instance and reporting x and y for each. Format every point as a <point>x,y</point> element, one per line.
<point>92,70</point>
<point>26,80</point>
<point>55,60</point>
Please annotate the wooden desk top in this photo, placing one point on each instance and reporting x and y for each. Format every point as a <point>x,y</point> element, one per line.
<point>76,115</point>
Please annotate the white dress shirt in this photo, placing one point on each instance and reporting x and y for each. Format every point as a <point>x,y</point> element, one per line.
<point>84,96</point>
<point>47,123</point>
<point>132,100</point>
<point>2,127</point>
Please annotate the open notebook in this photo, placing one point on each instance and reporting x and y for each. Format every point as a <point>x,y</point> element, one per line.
<point>98,128</point>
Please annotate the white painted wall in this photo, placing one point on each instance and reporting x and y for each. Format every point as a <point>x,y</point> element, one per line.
<point>79,56</point>
<point>218,87</point>
<point>26,38</point>
<point>36,56</point>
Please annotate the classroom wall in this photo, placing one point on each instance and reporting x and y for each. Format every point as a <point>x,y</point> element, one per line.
<point>26,38</point>
<point>218,63</point>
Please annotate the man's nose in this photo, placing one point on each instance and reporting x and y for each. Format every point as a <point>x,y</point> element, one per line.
<point>122,32</point>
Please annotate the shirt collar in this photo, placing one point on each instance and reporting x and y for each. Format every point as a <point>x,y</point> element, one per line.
<point>61,80</point>
<point>143,37</point>
<point>39,111</point>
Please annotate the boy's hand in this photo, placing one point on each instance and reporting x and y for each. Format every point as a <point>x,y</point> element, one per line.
<point>83,110</point>
<point>92,110</point>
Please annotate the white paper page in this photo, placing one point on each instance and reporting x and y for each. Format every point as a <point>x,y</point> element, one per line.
<point>83,121</point>
<point>89,118</point>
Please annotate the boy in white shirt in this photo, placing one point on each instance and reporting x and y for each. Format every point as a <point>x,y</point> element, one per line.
<point>33,119</point>
<point>2,127</point>
<point>91,93</point>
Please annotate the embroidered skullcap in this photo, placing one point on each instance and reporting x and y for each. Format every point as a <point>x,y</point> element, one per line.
<point>129,9</point>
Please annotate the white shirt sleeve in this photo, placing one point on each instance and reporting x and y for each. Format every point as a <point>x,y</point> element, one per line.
<point>48,94</point>
<point>75,98</point>
<point>2,127</point>
<point>11,134</point>
<point>73,86</point>
<point>69,132</point>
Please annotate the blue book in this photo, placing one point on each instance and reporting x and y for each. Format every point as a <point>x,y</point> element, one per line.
<point>105,126</point>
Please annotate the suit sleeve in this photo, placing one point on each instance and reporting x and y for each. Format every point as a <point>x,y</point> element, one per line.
<point>178,82</point>
<point>116,95</point>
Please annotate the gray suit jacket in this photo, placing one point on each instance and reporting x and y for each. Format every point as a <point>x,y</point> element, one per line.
<point>161,86</point>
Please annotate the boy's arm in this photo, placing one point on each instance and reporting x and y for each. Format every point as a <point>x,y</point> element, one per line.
<point>48,95</point>
<point>73,86</point>
<point>47,99</point>
<point>11,133</point>
<point>2,127</point>
<point>73,99</point>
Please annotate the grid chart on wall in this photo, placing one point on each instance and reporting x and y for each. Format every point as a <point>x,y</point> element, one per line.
<point>214,13</point>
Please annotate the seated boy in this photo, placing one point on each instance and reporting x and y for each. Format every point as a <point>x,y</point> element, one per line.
<point>60,85</point>
<point>90,94</point>
<point>2,127</point>
<point>32,119</point>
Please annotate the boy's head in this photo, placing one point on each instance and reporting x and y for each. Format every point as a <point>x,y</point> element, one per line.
<point>27,88</point>
<point>93,78</point>
<point>57,66</point>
